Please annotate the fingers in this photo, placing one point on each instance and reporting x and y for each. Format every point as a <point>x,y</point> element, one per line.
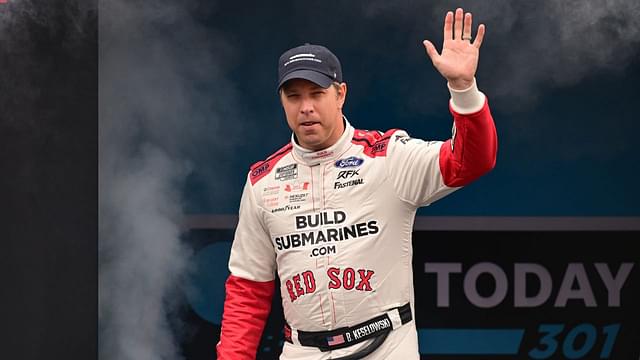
<point>466,32</point>
<point>457,26</point>
<point>448,26</point>
<point>431,50</point>
<point>478,41</point>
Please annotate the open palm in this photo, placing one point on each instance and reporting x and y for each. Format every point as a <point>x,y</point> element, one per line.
<point>459,58</point>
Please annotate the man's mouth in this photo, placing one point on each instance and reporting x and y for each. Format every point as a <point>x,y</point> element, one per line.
<point>308,123</point>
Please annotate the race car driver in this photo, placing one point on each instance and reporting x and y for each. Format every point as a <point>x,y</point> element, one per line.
<point>332,211</point>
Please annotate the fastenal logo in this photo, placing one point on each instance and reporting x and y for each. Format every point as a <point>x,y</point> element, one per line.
<point>342,185</point>
<point>351,161</point>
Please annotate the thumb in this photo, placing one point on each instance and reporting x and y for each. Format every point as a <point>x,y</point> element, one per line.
<point>431,50</point>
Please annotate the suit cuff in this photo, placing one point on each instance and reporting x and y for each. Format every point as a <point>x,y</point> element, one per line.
<point>467,101</point>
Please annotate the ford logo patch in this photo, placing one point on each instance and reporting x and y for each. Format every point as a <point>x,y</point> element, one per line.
<point>351,161</point>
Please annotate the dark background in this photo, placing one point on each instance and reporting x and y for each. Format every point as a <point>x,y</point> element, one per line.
<point>48,177</point>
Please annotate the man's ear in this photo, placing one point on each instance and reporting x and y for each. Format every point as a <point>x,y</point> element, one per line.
<point>280,95</point>
<point>342,94</point>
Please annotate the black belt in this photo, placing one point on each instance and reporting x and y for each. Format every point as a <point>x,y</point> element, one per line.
<point>378,327</point>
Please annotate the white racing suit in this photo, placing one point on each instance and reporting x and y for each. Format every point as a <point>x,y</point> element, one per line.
<point>336,226</point>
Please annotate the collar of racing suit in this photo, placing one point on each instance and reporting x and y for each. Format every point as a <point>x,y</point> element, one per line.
<point>332,153</point>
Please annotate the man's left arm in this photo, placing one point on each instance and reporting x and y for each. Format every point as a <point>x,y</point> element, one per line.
<point>473,144</point>
<point>423,172</point>
<point>471,151</point>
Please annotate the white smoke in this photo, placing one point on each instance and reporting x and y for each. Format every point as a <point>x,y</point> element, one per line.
<point>157,68</point>
<point>530,45</point>
<point>141,257</point>
<point>560,43</point>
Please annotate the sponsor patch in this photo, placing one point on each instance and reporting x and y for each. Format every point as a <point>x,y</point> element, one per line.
<point>350,183</point>
<point>379,147</point>
<point>347,174</point>
<point>285,208</point>
<point>297,186</point>
<point>260,170</point>
<point>271,202</point>
<point>271,190</point>
<point>297,198</point>
<point>349,162</point>
<point>288,172</point>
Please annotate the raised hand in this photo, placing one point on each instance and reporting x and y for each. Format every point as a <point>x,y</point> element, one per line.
<point>459,59</point>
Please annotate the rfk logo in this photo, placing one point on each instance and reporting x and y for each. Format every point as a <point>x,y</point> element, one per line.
<point>346,174</point>
<point>348,279</point>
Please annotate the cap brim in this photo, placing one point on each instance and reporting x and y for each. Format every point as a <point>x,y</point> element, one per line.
<point>313,76</point>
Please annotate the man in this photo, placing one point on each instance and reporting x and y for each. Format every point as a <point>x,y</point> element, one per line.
<point>332,211</point>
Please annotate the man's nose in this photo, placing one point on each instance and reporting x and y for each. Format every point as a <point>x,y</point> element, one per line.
<point>307,106</point>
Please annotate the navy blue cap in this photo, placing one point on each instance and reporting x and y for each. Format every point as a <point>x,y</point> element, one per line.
<point>315,63</point>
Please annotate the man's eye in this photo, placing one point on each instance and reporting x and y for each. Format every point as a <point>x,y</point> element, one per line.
<point>290,96</point>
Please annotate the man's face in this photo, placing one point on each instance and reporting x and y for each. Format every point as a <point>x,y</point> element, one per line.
<point>313,113</point>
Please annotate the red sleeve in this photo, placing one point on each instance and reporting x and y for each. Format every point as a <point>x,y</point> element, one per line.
<point>246,308</point>
<point>471,152</point>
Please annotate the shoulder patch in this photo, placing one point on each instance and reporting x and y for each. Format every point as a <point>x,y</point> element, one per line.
<point>374,143</point>
<point>262,168</point>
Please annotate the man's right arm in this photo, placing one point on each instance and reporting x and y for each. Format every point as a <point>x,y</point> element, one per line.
<point>246,309</point>
<point>249,288</point>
